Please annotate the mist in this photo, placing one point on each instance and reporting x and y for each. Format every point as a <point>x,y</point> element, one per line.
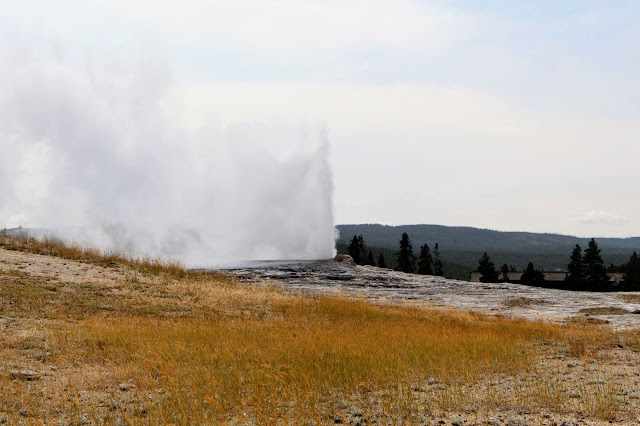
<point>92,152</point>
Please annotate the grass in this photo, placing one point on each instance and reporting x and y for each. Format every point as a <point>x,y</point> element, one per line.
<point>631,298</point>
<point>316,358</point>
<point>52,246</point>
<point>604,310</point>
<point>155,344</point>
<point>579,320</point>
<point>523,302</point>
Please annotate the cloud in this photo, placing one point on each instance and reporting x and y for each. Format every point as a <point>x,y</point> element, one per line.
<point>280,32</point>
<point>460,155</point>
<point>306,26</point>
<point>598,217</point>
<point>497,116</point>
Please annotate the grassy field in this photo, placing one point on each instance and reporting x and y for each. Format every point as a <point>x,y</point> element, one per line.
<point>100,338</point>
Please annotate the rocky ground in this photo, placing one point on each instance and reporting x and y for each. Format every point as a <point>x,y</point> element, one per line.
<point>619,310</point>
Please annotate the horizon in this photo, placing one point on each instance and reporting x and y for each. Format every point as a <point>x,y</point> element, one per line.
<point>427,224</point>
<point>489,229</point>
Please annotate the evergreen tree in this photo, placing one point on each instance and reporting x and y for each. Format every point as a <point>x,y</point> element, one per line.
<point>425,261</point>
<point>357,249</point>
<point>532,275</point>
<point>504,269</point>
<point>369,259</point>
<point>576,265</point>
<point>381,261</point>
<point>437,264</point>
<point>632,273</point>
<point>594,270</point>
<point>406,259</point>
<point>487,270</point>
<point>363,249</point>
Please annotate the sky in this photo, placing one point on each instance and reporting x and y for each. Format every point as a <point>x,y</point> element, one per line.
<point>508,115</point>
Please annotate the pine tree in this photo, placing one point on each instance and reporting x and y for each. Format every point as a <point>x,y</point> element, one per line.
<point>504,269</point>
<point>437,265</point>
<point>594,270</point>
<point>406,259</point>
<point>532,276</point>
<point>632,273</point>
<point>425,261</point>
<point>369,259</point>
<point>381,261</point>
<point>357,249</point>
<point>487,270</point>
<point>576,266</point>
<point>363,249</point>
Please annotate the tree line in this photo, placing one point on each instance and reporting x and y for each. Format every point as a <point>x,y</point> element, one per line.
<point>425,264</point>
<point>585,271</point>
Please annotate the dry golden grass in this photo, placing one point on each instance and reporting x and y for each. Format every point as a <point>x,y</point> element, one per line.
<point>302,363</point>
<point>585,321</point>
<point>160,345</point>
<point>53,246</point>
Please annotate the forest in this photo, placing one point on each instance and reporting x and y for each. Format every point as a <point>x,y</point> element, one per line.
<point>462,247</point>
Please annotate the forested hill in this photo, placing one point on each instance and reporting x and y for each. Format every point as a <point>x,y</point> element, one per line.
<point>476,239</point>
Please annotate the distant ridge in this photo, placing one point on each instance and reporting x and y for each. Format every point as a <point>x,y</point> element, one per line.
<point>464,244</point>
<point>469,238</point>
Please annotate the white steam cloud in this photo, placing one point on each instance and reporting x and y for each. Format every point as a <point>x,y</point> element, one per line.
<point>90,149</point>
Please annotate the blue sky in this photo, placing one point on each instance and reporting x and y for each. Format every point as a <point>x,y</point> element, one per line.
<point>511,115</point>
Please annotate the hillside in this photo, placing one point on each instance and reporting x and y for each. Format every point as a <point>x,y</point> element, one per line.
<point>464,245</point>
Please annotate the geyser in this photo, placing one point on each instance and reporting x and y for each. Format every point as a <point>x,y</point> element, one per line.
<point>91,151</point>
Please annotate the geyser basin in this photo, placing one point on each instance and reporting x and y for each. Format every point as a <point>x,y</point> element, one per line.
<point>387,286</point>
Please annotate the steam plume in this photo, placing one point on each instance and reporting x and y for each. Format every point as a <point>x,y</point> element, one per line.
<point>89,149</point>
